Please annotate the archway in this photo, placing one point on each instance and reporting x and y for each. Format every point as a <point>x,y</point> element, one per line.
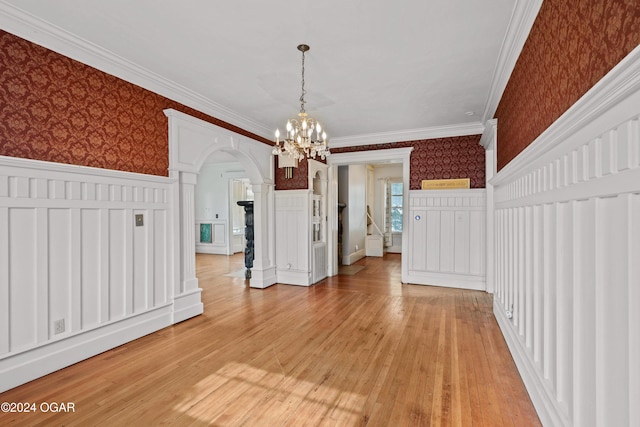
<point>191,142</point>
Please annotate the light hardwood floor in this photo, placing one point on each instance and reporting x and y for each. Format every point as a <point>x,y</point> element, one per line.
<point>357,349</point>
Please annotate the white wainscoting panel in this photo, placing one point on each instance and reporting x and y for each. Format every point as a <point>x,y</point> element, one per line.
<point>219,238</point>
<point>77,276</point>
<point>293,236</point>
<point>567,262</point>
<point>447,238</point>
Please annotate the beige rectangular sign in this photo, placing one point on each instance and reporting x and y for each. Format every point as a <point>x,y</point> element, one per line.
<point>445,184</point>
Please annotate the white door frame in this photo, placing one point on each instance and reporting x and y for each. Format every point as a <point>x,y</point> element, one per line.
<point>391,155</point>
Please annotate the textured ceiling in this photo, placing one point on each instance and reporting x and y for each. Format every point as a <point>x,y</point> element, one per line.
<point>375,66</point>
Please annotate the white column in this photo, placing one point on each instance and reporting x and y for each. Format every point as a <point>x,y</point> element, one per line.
<point>263,273</point>
<point>489,142</point>
<point>187,295</point>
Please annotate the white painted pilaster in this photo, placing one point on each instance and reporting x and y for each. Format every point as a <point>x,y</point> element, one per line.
<point>263,273</point>
<point>489,142</point>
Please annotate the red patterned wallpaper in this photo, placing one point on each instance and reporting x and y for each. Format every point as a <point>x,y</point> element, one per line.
<point>56,109</point>
<point>572,45</point>
<point>439,158</point>
<point>299,181</point>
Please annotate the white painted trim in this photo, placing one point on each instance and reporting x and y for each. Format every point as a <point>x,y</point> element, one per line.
<point>547,413</point>
<point>187,305</point>
<point>460,281</point>
<point>566,219</point>
<point>391,155</point>
<point>36,30</point>
<point>123,176</point>
<point>42,360</point>
<point>294,277</point>
<point>611,90</point>
<point>461,129</point>
<point>353,257</point>
<point>489,142</point>
<point>191,142</point>
<point>212,249</point>
<point>264,278</point>
<point>522,19</point>
<point>488,138</point>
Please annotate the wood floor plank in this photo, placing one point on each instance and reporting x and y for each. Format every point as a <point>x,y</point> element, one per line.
<point>351,350</point>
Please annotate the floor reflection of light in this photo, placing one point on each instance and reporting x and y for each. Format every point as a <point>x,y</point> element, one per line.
<point>224,394</point>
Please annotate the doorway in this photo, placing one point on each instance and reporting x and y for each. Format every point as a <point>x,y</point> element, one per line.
<point>363,158</point>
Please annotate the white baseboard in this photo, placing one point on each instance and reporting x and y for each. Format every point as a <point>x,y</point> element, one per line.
<point>213,250</point>
<point>43,360</point>
<point>353,257</point>
<point>461,281</point>
<point>294,277</point>
<point>187,305</point>
<point>261,279</point>
<point>540,397</point>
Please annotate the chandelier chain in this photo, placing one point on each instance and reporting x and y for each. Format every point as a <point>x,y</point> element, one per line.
<point>302,101</point>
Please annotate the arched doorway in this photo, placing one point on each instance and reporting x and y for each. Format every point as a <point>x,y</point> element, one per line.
<point>191,142</point>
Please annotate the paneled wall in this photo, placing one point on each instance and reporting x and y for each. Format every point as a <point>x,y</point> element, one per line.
<point>567,259</point>
<point>78,273</point>
<point>293,237</point>
<point>447,238</point>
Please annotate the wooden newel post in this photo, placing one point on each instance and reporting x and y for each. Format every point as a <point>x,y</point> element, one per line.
<point>248,234</point>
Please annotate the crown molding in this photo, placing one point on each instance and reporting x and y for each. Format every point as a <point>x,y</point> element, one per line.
<point>488,138</point>
<point>24,25</point>
<point>522,19</point>
<point>474,128</point>
<point>389,155</point>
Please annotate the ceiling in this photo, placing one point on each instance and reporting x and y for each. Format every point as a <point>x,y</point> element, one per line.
<point>376,72</point>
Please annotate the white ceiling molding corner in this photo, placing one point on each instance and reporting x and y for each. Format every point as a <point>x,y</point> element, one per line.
<point>40,32</point>
<point>464,129</point>
<point>522,19</point>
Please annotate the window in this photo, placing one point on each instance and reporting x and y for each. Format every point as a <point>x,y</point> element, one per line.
<point>395,190</point>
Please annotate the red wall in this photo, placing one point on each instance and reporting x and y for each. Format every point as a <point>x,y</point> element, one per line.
<point>299,181</point>
<point>572,45</point>
<point>439,158</point>
<point>56,109</point>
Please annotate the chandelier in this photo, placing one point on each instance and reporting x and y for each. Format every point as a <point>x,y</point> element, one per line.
<point>304,135</point>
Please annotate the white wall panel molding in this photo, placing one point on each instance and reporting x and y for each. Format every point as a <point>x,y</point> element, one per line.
<point>293,237</point>
<point>73,262</point>
<point>446,238</point>
<point>567,221</point>
<point>219,244</point>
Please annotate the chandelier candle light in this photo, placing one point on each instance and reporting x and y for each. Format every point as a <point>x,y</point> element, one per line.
<point>299,141</point>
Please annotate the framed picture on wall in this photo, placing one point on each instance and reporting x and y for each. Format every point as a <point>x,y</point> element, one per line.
<point>205,233</point>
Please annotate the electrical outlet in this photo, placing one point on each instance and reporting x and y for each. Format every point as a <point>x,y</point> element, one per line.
<point>356,247</point>
<point>58,326</point>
